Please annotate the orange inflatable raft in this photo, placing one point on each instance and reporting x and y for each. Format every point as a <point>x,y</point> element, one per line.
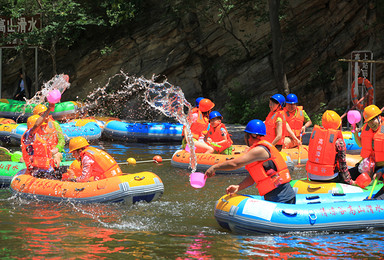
<point>129,188</point>
<point>180,159</point>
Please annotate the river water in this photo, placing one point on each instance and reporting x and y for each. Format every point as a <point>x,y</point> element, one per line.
<point>181,225</point>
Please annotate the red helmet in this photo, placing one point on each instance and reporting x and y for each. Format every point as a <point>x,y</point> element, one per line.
<point>205,105</point>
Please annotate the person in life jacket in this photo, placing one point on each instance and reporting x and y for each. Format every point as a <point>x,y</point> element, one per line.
<point>200,126</point>
<point>371,141</point>
<point>297,119</point>
<point>276,123</point>
<point>52,133</point>
<point>266,167</point>
<point>217,136</point>
<point>96,164</point>
<point>192,117</point>
<point>36,151</point>
<point>327,152</point>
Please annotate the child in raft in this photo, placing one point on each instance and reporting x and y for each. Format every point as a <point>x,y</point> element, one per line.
<point>217,135</point>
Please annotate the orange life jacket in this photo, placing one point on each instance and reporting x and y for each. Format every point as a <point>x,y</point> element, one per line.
<point>295,119</point>
<point>199,126</point>
<point>41,157</point>
<point>322,153</point>
<point>270,124</point>
<point>215,135</point>
<point>372,142</point>
<point>194,111</point>
<point>105,166</point>
<point>48,132</point>
<point>267,181</point>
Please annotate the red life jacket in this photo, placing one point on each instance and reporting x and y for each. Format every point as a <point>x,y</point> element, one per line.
<point>48,132</point>
<point>105,166</point>
<point>199,126</point>
<point>322,153</point>
<point>215,135</point>
<point>267,181</point>
<point>270,124</point>
<point>372,142</point>
<point>295,119</point>
<point>42,157</point>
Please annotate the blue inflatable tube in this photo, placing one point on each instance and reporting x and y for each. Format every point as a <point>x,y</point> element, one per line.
<point>143,132</point>
<point>316,212</point>
<point>11,133</point>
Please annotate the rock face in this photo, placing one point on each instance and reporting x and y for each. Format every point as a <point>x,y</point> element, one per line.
<point>210,59</point>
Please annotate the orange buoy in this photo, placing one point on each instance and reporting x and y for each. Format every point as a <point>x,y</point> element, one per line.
<point>157,159</point>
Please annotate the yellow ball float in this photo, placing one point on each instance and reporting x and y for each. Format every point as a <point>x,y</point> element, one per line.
<point>131,161</point>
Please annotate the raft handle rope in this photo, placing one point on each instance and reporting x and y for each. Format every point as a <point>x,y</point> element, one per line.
<point>224,200</point>
<point>312,217</point>
<point>138,178</point>
<point>314,188</point>
<point>79,189</point>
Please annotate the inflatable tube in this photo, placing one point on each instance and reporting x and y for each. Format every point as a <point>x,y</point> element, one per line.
<point>309,187</point>
<point>90,130</point>
<point>18,111</point>
<point>321,212</point>
<point>350,141</point>
<point>129,188</point>
<point>180,159</point>
<point>9,169</point>
<point>143,132</point>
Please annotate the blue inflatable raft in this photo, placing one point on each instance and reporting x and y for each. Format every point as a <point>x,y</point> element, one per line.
<point>143,132</point>
<point>249,214</point>
<point>11,133</point>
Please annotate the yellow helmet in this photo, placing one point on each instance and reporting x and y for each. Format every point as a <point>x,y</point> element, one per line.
<point>77,143</point>
<point>371,112</point>
<point>39,109</point>
<point>331,120</point>
<point>32,120</point>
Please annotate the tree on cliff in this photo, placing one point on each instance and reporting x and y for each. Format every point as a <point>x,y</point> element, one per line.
<point>277,48</point>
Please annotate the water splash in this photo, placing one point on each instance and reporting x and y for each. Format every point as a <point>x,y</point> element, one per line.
<point>59,82</point>
<point>164,97</point>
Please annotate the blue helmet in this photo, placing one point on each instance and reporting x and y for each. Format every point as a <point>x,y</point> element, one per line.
<point>198,101</point>
<point>256,126</point>
<point>292,99</point>
<point>214,114</point>
<point>280,99</point>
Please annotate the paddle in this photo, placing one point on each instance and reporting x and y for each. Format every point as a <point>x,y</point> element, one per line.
<point>373,187</point>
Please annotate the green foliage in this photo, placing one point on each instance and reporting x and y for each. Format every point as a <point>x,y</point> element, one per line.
<point>241,108</point>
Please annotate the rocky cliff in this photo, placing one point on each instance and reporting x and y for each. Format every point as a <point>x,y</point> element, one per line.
<point>210,59</point>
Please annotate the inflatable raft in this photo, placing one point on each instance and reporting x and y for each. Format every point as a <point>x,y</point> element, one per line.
<point>9,169</point>
<point>310,187</point>
<point>318,212</point>
<point>17,110</point>
<point>180,159</point>
<point>293,153</point>
<point>129,188</point>
<point>143,132</point>
<point>90,130</point>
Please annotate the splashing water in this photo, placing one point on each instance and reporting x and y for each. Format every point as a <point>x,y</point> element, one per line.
<point>163,96</point>
<point>171,102</point>
<point>59,82</point>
